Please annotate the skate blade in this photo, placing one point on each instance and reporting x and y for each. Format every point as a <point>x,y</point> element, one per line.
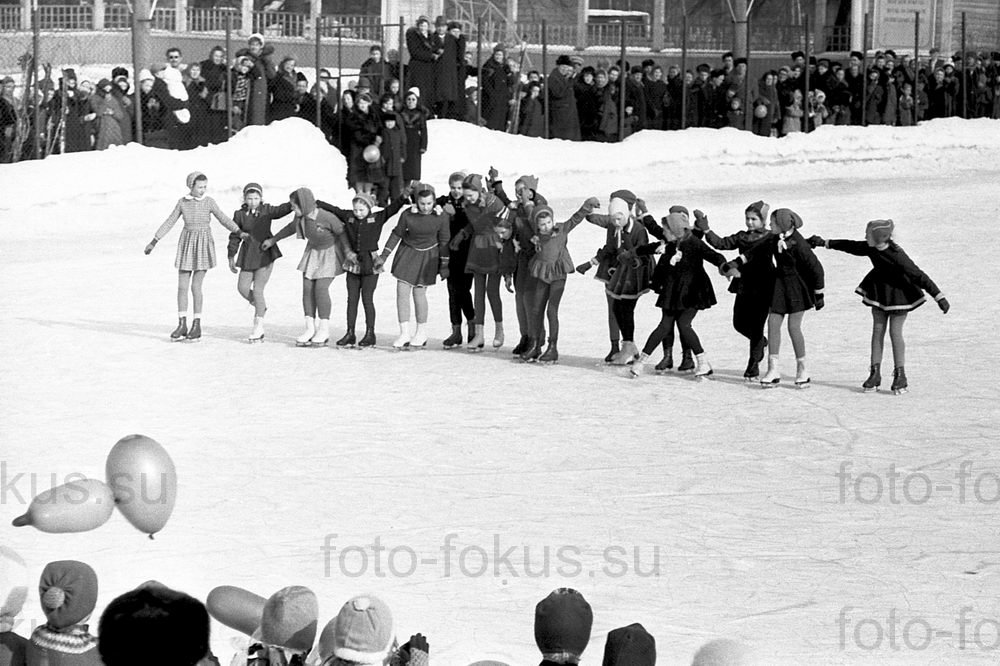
<point>900,391</point>
<point>872,389</point>
<point>303,344</point>
<point>771,384</point>
<point>192,340</point>
<point>255,341</point>
<point>704,378</point>
<point>803,385</point>
<point>475,350</point>
<point>556,362</point>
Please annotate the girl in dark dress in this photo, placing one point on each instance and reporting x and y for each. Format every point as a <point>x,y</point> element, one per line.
<point>893,288</point>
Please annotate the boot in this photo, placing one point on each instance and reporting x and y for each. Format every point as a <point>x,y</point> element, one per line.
<point>520,347</point>
<point>551,354</point>
<point>419,338</point>
<point>181,331</point>
<point>687,361</point>
<point>874,379</point>
<point>614,352</point>
<point>195,332</point>
<point>773,376</point>
<point>533,351</point>
<point>322,335</point>
<point>305,340</point>
<point>498,335</point>
<point>627,355</point>
<point>899,384</point>
<point>472,332</point>
<point>636,368</point>
<point>753,363</point>
<point>369,338</point>
<point>349,340</point>
<point>704,369</point>
<point>455,339</point>
<point>801,374</point>
<point>667,363</point>
<point>477,342</point>
<point>257,334</point>
<point>404,336</point>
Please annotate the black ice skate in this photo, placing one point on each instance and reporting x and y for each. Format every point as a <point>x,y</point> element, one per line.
<point>874,379</point>
<point>899,385</point>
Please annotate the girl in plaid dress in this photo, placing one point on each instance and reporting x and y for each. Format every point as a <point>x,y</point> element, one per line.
<point>195,249</point>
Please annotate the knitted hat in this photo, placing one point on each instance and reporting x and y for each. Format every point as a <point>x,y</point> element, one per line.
<point>102,83</point>
<point>362,633</point>
<point>68,591</point>
<point>299,76</point>
<point>472,182</point>
<point>256,36</point>
<point>676,223</point>
<point>304,199</point>
<point>562,625</point>
<point>622,202</point>
<point>290,619</point>
<point>630,646</point>
<point>416,187</point>
<point>365,198</point>
<point>192,177</point>
<point>758,208</point>
<point>499,48</point>
<point>722,652</point>
<point>880,230</point>
<point>531,182</point>
<point>576,60</point>
<point>784,220</point>
<point>413,91</point>
<point>13,586</point>
<point>680,209</point>
<point>253,187</point>
<point>146,620</point>
<point>626,196</point>
<point>145,75</point>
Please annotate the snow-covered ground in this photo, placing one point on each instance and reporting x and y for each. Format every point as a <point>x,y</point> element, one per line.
<point>763,507</point>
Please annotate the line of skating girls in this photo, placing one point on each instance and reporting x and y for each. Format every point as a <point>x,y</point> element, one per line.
<point>476,237</point>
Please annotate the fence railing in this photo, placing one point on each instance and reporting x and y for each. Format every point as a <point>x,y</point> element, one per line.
<point>837,38</point>
<point>10,18</point>
<point>65,17</point>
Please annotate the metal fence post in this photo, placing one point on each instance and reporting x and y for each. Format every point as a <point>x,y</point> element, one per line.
<point>229,77</point>
<point>479,73</point>
<point>964,91</point>
<point>808,51</point>
<point>748,113</point>
<point>622,84</point>
<point>37,89</point>
<point>916,61</point>
<point>319,93</point>
<point>864,72</point>
<point>136,66</point>
<point>684,59</point>
<point>545,73</point>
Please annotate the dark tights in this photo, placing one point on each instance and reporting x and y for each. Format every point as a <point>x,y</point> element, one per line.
<point>750,316</point>
<point>684,319</point>
<point>487,285</point>
<point>361,287</point>
<point>546,298</point>
<point>624,310</point>
<point>460,297</point>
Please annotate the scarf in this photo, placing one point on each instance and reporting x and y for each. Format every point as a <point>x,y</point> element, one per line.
<point>71,640</point>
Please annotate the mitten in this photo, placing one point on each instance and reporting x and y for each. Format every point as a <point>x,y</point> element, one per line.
<point>816,241</point>
<point>443,270</point>
<point>819,302</point>
<point>730,268</point>
<point>943,304</point>
<point>640,207</point>
<point>448,208</point>
<point>438,210</point>
<point>416,651</point>
<point>584,267</point>
<point>492,173</point>
<point>592,203</point>
<point>150,246</point>
<point>700,220</point>
<point>508,282</point>
<point>379,259</point>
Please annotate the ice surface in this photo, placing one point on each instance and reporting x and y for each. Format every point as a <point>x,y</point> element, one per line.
<point>278,447</point>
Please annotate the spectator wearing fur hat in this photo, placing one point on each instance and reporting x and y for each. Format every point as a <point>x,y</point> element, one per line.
<point>496,87</point>
<point>630,646</point>
<point>563,621</point>
<point>109,116</point>
<point>563,120</point>
<point>261,73</point>
<point>13,593</point>
<point>447,86</point>
<point>414,116</point>
<point>754,283</point>
<point>137,626</point>
<point>284,91</point>
<point>364,129</point>
<point>894,287</point>
<point>422,69</point>
<point>68,592</point>
<point>685,289</point>
<point>362,231</point>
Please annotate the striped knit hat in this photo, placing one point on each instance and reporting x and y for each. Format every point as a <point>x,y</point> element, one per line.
<point>880,231</point>
<point>68,591</point>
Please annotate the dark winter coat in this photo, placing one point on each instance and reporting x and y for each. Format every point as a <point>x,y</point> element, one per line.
<point>484,248</point>
<point>13,649</point>
<point>456,224</point>
<point>895,283</point>
<point>767,96</point>
<point>363,235</point>
<point>327,114</point>
<point>393,148</point>
<point>625,274</point>
<point>798,273</point>
<point>656,91</point>
<point>588,107</point>
<point>563,120</point>
<point>258,225</point>
<point>415,125</point>
<point>757,274</point>
<point>496,89</point>
<point>362,128</point>
<point>377,74</point>
<point>684,284</point>
<point>284,96</point>
<point>260,76</point>
<point>421,69</point>
<point>532,120</point>
<point>448,87</point>
<point>109,116</point>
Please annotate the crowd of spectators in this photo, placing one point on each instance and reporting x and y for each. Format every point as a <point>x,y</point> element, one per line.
<point>186,105</point>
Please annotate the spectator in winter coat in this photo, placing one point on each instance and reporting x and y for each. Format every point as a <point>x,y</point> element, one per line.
<point>655,89</point>
<point>588,103</point>
<point>450,76</point>
<point>765,105</point>
<point>393,147</point>
<point>8,119</point>
<point>215,72</point>
<point>839,99</point>
<point>174,96</point>
<point>496,88</point>
<point>532,120</point>
<point>261,74</point>
<point>197,92</point>
<point>875,99</point>
<point>563,120</point>
<point>414,119</point>
<point>109,116</point>
<point>364,130</point>
<point>284,91</point>
<point>320,93</point>
<point>375,70</point>
<point>68,592</point>
<point>421,71</point>
<point>791,121</point>
<point>241,87</point>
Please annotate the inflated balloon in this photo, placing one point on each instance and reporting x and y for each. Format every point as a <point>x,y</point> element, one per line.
<point>76,506</point>
<point>236,608</point>
<point>372,154</point>
<point>13,584</point>
<point>144,482</point>
<point>760,111</point>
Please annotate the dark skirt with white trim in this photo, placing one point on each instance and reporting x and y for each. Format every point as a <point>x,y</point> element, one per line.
<point>890,297</point>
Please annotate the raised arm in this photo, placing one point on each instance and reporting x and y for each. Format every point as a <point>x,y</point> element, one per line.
<point>580,215</point>
<point>394,207</point>
<point>604,221</point>
<point>652,228</point>
<point>330,208</point>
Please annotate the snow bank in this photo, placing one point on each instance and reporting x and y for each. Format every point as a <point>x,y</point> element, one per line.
<point>292,153</point>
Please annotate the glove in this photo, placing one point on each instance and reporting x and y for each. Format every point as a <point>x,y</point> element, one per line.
<point>150,246</point>
<point>448,208</point>
<point>730,269</point>
<point>351,263</point>
<point>816,241</point>
<point>493,173</point>
<point>944,305</point>
<point>416,651</point>
<point>508,282</point>
<point>584,267</point>
<point>819,302</point>
<point>592,203</point>
<point>700,220</point>
<point>378,261</point>
<point>444,271</point>
<point>232,265</point>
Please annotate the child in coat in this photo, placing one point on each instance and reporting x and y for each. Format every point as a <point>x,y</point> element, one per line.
<point>254,265</point>
<point>894,287</point>
<point>798,286</point>
<point>13,593</point>
<point>195,249</point>
<point>484,212</point>
<point>325,256</point>
<point>685,290</point>
<point>459,282</point>
<point>362,231</point>
<point>626,276</point>
<point>68,592</point>
<point>393,156</point>
<point>422,238</point>
<point>549,266</point>
<point>753,286</point>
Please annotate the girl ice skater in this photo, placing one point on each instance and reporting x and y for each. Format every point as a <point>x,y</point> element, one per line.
<point>422,238</point>
<point>685,289</point>
<point>626,276</point>
<point>362,229</point>
<point>253,263</point>
<point>893,288</point>
<point>324,258</point>
<point>549,266</point>
<point>195,249</point>
<point>483,211</point>
<point>798,286</point>
<point>754,285</point>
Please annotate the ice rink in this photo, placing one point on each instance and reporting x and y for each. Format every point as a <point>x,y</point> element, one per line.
<point>822,526</point>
